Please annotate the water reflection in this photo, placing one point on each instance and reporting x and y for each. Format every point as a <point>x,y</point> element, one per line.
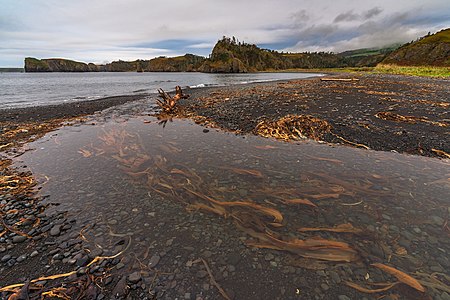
<point>179,191</point>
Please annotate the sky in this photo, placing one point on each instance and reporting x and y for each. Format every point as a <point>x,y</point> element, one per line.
<point>101,31</point>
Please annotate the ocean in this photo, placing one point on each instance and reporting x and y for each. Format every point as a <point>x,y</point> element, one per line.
<point>35,89</point>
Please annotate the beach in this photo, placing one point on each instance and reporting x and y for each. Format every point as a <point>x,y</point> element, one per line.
<point>351,109</point>
<point>109,199</point>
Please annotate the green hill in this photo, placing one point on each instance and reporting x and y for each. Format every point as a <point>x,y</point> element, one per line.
<point>430,50</point>
<point>232,56</point>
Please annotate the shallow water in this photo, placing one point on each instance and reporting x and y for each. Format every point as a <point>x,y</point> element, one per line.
<point>133,176</point>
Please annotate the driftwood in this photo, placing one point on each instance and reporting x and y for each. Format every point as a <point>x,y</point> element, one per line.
<point>339,79</point>
<point>169,103</point>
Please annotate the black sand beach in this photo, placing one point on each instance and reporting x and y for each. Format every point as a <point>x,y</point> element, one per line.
<point>385,113</point>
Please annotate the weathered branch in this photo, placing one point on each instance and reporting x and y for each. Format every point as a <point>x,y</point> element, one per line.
<point>169,103</point>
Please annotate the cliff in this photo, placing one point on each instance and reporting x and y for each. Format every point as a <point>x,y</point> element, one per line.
<point>185,63</point>
<point>430,50</point>
<point>56,65</point>
<point>232,56</point>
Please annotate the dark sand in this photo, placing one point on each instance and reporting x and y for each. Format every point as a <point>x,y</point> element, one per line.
<point>349,107</point>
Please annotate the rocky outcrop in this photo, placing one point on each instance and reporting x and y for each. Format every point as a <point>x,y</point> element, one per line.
<point>56,65</point>
<point>186,63</point>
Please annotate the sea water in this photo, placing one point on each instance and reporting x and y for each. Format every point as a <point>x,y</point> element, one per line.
<point>35,89</point>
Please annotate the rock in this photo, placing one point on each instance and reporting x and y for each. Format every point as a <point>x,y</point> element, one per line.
<point>187,296</point>
<point>436,220</point>
<point>154,260</point>
<point>335,276</point>
<point>58,256</point>
<point>6,258</point>
<point>234,258</point>
<point>34,253</point>
<point>19,239</point>
<point>386,217</point>
<point>201,274</point>
<point>56,230</point>
<point>120,266</point>
<point>134,277</point>
<point>445,296</point>
<point>269,256</point>
<point>21,258</point>
<point>343,297</point>
<point>207,254</point>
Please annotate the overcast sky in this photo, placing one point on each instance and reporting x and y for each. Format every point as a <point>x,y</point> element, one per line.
<point>105,30</point>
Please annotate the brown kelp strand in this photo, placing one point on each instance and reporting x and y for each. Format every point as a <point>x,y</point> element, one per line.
<point>390,116</point>
<point>180,183</point>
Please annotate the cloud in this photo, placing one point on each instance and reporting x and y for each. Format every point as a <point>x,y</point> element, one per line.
<point>347,16</point>
<point>110,29</point>
<point>372,12</point>
<point>351,16</point>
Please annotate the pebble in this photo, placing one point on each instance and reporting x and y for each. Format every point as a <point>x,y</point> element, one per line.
<point>437,220</point>
<point>188,295</point>
<point>201,274</point>
<point>120,266</point>
<point>234,258</point>
<point>335,276</point>
<point>134,277</point>
<point>5,258</point>
<point>269,256</point>
<point>207,254</point>
<point>343,297</point>
<point>56,230</point>
<point>34,253</point>
<point>19,239</point>
<point>21,258</point>
<point>386,217</point>
<point>154,260</point>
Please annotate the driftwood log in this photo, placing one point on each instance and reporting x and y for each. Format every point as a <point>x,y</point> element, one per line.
<point>339,79</point>
<point>169,103</point>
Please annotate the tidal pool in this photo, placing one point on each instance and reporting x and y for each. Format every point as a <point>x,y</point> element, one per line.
<point>272,219</point>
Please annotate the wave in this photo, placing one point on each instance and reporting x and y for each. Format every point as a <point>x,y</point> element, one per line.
<point>202,85</point>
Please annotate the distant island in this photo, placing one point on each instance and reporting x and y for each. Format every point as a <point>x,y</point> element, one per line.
<point>232,56</point>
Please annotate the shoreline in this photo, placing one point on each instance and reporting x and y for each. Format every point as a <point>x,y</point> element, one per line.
<point>58,237</point>
<point>350,108</point>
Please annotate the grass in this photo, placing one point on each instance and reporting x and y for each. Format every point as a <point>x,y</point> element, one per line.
<point>426,71</point>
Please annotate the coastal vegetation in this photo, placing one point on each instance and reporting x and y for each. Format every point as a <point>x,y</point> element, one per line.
<point>427,56</point>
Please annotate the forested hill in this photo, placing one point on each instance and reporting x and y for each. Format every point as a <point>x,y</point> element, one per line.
<point>430,50</point>
<point>228,56</point>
